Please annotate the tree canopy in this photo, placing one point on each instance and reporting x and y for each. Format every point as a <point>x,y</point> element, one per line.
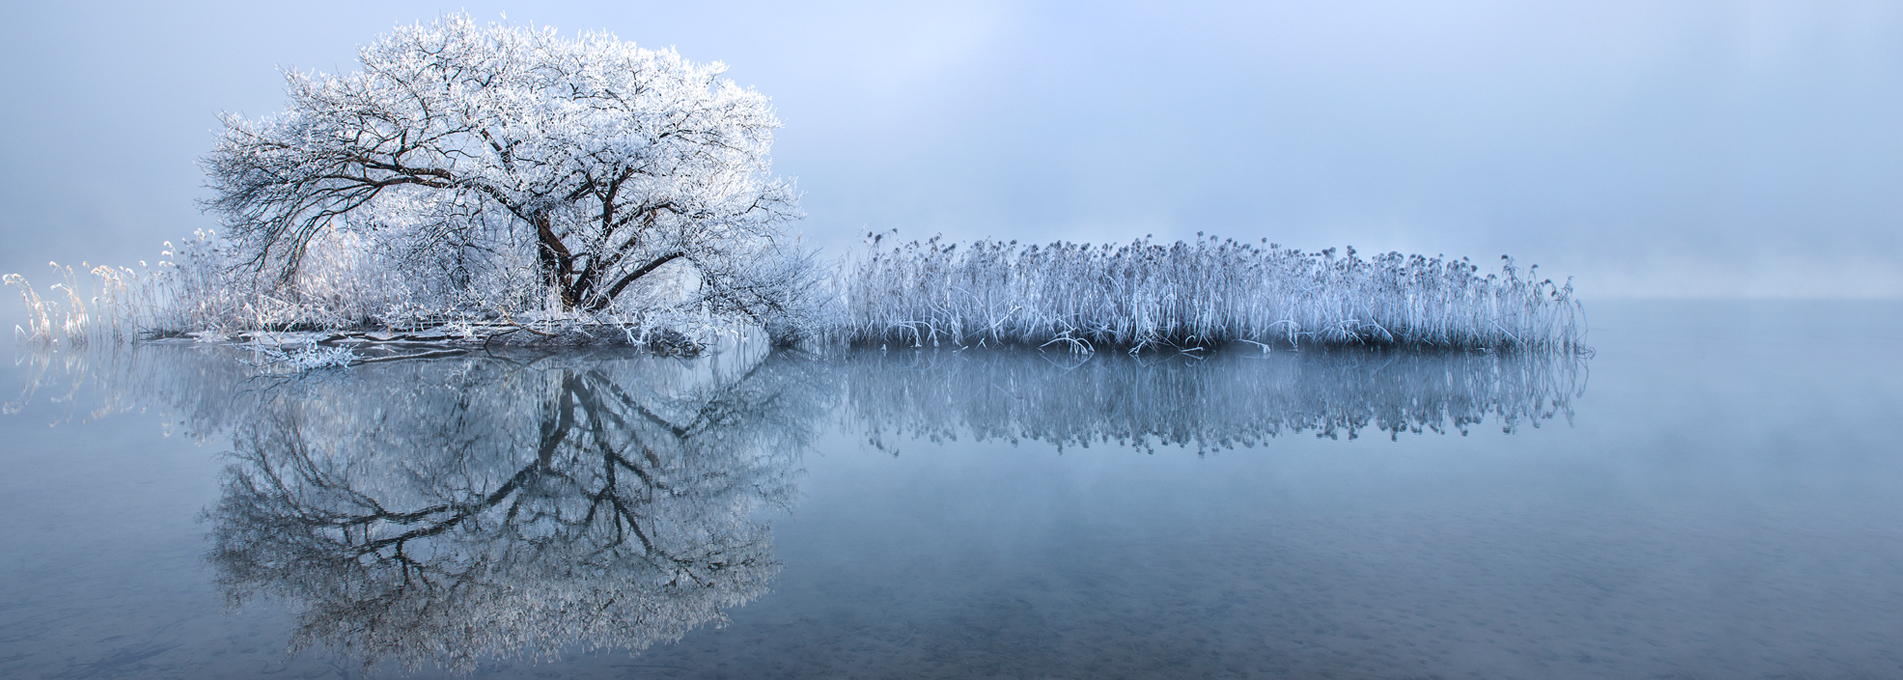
<point>469,149</point>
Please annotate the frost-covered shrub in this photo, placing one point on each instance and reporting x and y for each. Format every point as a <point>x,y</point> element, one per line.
<point>304,357</point>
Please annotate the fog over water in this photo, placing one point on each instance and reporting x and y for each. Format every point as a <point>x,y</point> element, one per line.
<point>1712,491</point>
<point>1680,149</point>
<point>1714,494</point>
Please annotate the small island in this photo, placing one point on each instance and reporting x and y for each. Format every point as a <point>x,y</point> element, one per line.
<point>480,184</point>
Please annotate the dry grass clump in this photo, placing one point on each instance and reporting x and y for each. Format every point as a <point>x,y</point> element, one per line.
<point>1197,293</point>
<point>350,283</point>
<point>72,315</point>
<point>1077,297</point>
<point>195,290</point>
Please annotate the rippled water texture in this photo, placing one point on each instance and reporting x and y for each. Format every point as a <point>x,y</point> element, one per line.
<point>1716,494</point>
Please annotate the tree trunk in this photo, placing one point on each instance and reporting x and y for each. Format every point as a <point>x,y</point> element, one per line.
<point>557,263</point>
<point>602,300</point>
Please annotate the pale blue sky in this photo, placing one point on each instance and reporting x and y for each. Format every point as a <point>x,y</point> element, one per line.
<point>1648,148</point>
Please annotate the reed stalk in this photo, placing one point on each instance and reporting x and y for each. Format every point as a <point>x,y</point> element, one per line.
<point>1205,292</point>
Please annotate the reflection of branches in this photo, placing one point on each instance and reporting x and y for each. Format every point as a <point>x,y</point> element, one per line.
<point>1228,399</point>
<point>497,506</point>
<point>515,504</point>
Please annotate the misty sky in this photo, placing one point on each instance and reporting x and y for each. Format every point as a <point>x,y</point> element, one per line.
<point>1647,148</point>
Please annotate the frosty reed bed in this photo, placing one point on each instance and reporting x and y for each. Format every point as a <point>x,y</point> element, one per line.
<point>198,289</point>
<point>73,314</point>
<point>1068,296</point>
<point>202,286</point>
<point>1204,292</point>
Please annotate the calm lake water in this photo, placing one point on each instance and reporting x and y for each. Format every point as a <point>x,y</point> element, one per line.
<point>1717,493</point>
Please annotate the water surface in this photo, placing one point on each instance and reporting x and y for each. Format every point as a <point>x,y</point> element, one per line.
<point>1713,494</point>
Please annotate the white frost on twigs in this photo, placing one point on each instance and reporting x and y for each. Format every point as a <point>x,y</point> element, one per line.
<point>303,358</point>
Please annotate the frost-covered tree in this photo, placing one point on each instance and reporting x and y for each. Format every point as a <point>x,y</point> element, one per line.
<point>463,148</point>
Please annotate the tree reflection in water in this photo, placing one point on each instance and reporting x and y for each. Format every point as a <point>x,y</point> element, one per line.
<point>452,510</point>
<point>455,510</point>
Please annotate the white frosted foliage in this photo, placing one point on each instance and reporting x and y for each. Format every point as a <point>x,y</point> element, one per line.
<point>497,166</point>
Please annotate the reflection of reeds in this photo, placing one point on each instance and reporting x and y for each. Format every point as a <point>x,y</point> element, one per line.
<point>1198,293</point>
<point>213,387</point>
<point>209,386</point>
<point>1231,397</point>
<point>1228,399</point>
